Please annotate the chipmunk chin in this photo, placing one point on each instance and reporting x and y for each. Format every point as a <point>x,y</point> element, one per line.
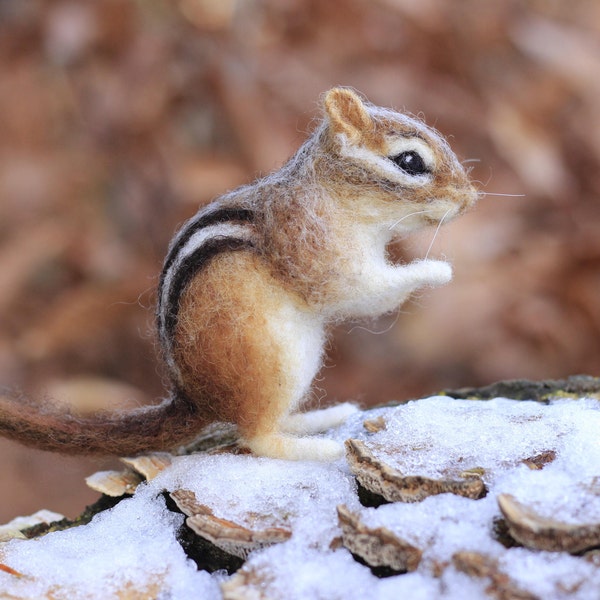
<point>442,213</point>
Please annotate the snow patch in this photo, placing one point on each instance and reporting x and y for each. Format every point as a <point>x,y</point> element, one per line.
<point>134,545</point>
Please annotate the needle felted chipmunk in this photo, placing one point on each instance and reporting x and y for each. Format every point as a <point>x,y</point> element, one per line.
<point>251,282</point>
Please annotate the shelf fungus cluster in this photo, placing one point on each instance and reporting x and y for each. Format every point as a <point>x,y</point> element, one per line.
<point>386,552</point>
<point>438,498</point>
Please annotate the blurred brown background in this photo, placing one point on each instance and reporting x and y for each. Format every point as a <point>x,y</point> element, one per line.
<point>119,118</point>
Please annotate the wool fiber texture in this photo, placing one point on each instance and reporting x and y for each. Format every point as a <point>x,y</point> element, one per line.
<point>251,283</point>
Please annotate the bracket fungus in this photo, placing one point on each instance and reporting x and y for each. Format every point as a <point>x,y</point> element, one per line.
<point>380,478</point>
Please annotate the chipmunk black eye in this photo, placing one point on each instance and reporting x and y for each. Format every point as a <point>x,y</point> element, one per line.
<point>410,162</point>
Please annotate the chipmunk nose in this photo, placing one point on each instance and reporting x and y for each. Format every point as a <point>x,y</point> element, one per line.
<point>470,197</point>
<point>475,195</point>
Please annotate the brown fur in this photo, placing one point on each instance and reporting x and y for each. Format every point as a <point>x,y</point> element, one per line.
<point>228,353</point>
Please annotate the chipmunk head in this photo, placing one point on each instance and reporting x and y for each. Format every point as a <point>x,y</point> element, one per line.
<point>401,163</point>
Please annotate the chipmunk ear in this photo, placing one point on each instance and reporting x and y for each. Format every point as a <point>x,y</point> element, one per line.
<point>347,113</point>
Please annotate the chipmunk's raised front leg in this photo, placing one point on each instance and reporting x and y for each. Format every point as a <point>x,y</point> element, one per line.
<point>400,281</point>
<point>381,287</point>
<point>422,273</point>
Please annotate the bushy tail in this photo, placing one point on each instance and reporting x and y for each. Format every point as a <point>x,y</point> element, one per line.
<point>120,433</point>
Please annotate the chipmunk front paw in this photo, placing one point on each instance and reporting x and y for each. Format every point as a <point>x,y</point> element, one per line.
<point>433,272</point>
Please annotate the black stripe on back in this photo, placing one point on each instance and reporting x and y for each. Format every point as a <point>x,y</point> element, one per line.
<point>213,218</point>
<point>189,266</point>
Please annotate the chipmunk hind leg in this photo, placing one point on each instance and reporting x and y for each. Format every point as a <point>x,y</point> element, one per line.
<point>250,348</point>
<point>316,421</point>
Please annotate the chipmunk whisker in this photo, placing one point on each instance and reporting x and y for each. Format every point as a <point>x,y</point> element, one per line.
<point>437,230</point>
<point>499,194</point>
<point>418,212</point>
